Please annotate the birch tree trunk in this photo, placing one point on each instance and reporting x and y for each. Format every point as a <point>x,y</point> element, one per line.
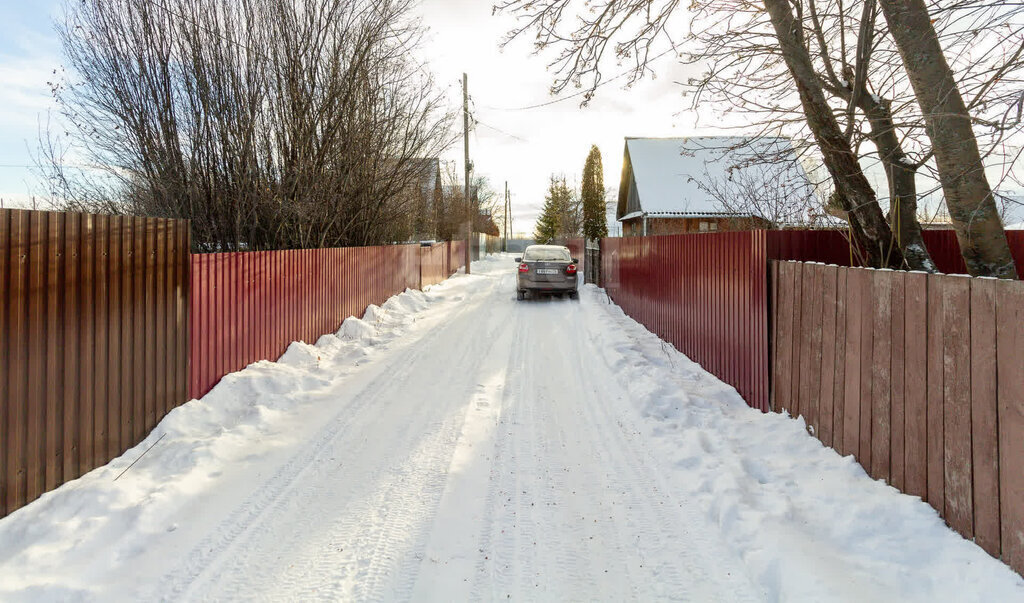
<point>969,199</point>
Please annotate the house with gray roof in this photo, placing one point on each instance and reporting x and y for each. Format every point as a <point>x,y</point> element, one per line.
<point>710,183</point>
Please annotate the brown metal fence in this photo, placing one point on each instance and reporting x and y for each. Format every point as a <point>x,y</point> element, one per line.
<point>438,262</point>
<point>920,378</point>
<point>93,341</point>
<point>456,255</point>
<point>433,264</point>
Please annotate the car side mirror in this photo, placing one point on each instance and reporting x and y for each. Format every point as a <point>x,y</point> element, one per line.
<point>519,259</point>
<point>575,261</point>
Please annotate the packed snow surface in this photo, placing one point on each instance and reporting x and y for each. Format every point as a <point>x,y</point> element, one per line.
<point>458,445</point>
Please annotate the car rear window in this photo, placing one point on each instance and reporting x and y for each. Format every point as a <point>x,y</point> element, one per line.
<point>547,255</point>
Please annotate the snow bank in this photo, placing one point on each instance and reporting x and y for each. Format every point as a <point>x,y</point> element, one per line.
<point>800,516</point>
<point>807,524</point>
<point>63,545</point>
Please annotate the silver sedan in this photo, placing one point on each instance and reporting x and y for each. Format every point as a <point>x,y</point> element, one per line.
<point>546,269</point>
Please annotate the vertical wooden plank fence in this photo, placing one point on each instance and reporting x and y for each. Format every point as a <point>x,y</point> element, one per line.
<point>934,386</point>
<point>1009,331</point>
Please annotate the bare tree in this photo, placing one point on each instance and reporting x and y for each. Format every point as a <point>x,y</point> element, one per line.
<point>268,123</point>
<point>853,194</point>
<point>861,73</point>
<point>768,192</point>
<point>586,45</point>
<point>962,174</point>
<point>452,211</point>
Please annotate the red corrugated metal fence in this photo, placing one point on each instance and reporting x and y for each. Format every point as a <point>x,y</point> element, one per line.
<point>250,306</point>
<point>831,247</point>
<point>706,294</point>
<point>945,250</point>
<point>100,335</point>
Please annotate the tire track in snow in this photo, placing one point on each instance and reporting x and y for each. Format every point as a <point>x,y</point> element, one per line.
<point>671,515</point>
<point>581,514</point>
<point>453,557</point>
<point>206,561</point>
<point>491,336</point>
<point>488,573</point>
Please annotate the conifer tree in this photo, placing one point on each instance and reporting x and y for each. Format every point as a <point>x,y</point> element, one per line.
<point>549,221</point>
<point>595,225</point>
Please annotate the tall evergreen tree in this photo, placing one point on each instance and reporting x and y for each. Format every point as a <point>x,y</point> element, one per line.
<point>595,225</point>
<point>549,223</point>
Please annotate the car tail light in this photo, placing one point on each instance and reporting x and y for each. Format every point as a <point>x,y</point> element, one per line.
<point>524,267</point>
<point>570,269</point>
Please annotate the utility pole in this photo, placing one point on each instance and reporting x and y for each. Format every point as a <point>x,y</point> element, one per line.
<point>465,138</point>
<point>510,231</point>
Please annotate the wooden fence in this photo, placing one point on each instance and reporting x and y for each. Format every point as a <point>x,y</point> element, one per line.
<point>920,377</point>
<point>93,341</point>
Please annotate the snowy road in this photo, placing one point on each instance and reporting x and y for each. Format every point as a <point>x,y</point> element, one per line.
<point>459,445</point>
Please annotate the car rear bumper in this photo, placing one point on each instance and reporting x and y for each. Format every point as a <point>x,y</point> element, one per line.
<point>531,285</point>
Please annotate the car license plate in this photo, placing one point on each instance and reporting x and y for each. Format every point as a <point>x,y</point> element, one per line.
<point>546,271</point>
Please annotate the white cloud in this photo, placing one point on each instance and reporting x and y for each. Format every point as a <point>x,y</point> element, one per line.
<point>25,100</point>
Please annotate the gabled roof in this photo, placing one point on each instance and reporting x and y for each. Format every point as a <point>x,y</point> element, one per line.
<point>667,172</point>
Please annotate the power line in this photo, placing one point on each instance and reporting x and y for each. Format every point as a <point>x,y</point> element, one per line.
<point>499,130</point>
<point>578,94</point>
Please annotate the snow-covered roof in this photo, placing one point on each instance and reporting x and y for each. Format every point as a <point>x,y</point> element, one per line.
<point>668,172</point>
<point>1019,226</point>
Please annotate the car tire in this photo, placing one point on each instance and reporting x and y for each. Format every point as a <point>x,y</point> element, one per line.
<point>574,295</point>
<point>520,295</point>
